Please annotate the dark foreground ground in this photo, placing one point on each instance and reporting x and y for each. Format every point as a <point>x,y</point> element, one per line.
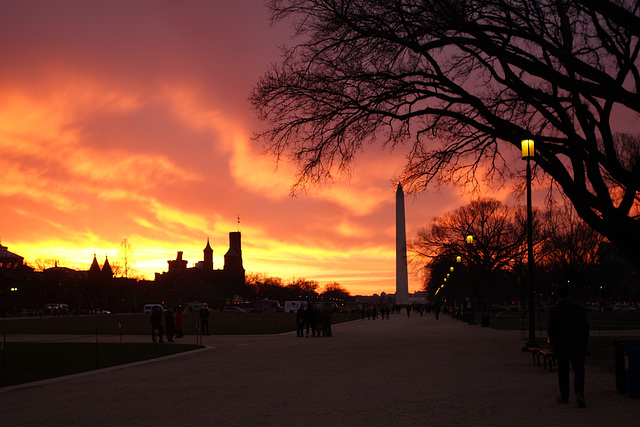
<point>403,371</point>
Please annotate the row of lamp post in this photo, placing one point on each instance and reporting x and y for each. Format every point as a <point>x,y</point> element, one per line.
<point>527,144</point>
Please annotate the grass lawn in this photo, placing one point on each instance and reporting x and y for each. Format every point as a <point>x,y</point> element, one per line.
<point>599,320</point>
<point>139,324</point>
<point>23,362</point>
<point>602,351</point>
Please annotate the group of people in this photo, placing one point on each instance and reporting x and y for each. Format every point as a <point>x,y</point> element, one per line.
<point>316,319</point>
<point>372,312</point>
<point>168,321</point>
<point>383,311</point>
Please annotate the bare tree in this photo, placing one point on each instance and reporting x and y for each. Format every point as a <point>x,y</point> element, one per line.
<point>335,291</point>
<point>571,249</point>
<point>462,81</point>
<point>126,258</point>
<point>304,286</point>
<point>41,264</point>
<point>499,240</point>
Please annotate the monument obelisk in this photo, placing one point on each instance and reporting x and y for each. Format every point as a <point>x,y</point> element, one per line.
<point>402,278</point>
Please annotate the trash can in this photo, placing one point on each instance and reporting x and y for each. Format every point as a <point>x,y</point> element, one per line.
<point>466,316</point>
<point>486,320</point>
<point>618,357</point>
<point>632,367</point>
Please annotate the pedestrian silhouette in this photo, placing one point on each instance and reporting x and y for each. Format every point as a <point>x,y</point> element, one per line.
<point>169,321</point>
<point>300,320</point>
<point>178,323</point>
<point>204,320</point>
<point>156,324</point>
<point>568,332</point>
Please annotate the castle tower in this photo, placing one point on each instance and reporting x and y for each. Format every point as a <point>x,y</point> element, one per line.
<point>207,264</point>
<point>107,272</point>
<point>402,277</point>
<point>233,257</point>
<point>177,265</point>
<point>94,270</point>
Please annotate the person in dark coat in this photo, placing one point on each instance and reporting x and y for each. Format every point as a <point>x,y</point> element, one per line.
<point>169,321</point>
<point>178,317</point>
<point>568,332</point>
<point>156,324</point>
<point>310,318</point>
<point>327,311</point>
<point>204,320</point>
<point>300,320</point>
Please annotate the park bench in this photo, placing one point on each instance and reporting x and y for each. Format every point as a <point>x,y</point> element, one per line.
<point>535,354</point>
<point>545,354</point>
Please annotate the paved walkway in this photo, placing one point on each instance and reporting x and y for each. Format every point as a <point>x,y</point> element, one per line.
<point>403,371</point>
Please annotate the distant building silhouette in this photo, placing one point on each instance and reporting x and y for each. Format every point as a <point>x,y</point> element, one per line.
<point>94,270</point>
<point>9,260</point>
<point>202,282</point>
<point>83,290</point>
<point>177,265</point>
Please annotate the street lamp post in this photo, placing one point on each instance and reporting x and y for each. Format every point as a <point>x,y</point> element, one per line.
<point>472,313</point>
<point>528,152</point>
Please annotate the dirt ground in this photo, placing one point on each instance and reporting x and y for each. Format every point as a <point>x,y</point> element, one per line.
<point>402,371</point>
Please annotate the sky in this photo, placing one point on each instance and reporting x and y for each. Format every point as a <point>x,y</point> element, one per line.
<point>130,119</point>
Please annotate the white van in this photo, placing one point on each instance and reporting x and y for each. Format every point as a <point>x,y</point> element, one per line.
<point>148,308</point>
<point>293,306</point>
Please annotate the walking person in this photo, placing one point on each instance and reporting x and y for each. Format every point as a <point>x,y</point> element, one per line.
<point>327,311</point>
<point>300,321</point>
<point>568,333</point>
<point>178,323</point>
<point>319,320</point>
<point>204,320</point>
<point>169,321</point>
<point>156,324</point>
<point>310,319</point>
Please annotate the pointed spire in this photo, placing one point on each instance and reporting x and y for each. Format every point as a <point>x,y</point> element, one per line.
<point>208,257</point>
<point>106,268</point>
<point>95,267</point>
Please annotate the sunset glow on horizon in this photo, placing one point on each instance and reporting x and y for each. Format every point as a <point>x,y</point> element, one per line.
<point>131,120</point>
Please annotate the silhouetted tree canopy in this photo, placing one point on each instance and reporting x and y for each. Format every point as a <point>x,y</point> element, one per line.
<point>335,291</point>
<point>461,81</point>
<point>499,240</point>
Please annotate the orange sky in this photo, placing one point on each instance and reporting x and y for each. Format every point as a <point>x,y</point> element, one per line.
<point>126,119</point>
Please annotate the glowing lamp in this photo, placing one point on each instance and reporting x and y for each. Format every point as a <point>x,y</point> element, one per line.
<point>469,239</point>
<point>528,149</point>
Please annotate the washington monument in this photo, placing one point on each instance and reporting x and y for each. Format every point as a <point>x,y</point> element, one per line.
<point>402,279</point>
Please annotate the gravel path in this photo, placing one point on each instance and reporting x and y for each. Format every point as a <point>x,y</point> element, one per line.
<point>403,371</point>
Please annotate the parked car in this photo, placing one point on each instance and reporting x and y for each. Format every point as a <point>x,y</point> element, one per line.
<point>148,308</point>
<point>233,309</point>
<point>623,307</point>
